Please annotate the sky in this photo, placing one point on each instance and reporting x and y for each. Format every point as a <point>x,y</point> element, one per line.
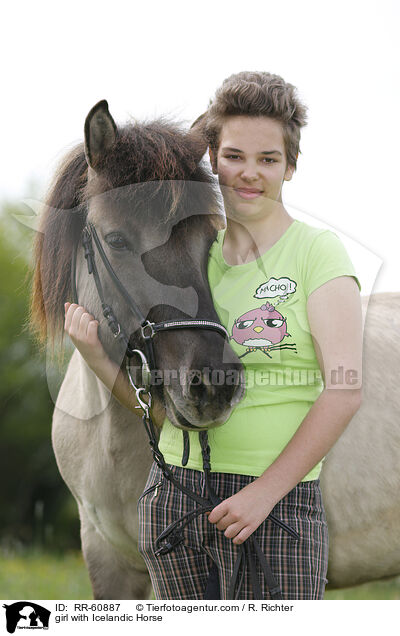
<point>168,58</point>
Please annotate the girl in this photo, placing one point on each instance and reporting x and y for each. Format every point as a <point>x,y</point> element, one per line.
<point>288,295</point>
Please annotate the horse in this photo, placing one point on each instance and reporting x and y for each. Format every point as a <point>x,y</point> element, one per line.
<point>156,213</point>
<point>100,446</point>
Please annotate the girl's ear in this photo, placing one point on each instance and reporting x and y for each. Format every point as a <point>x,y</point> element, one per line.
<point>290,170</point>
<point>289,173</point>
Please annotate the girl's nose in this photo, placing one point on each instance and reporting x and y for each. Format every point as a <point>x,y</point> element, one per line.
<point>249,172</point>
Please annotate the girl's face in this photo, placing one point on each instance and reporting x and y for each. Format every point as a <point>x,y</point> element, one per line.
<point>251,166</point>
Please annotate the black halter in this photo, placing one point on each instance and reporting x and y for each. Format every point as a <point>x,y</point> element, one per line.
<point>172,536</point>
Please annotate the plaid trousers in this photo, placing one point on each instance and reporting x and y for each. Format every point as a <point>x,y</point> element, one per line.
<point>299,567</point>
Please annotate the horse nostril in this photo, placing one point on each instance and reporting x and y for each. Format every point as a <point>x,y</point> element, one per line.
<point>200,389</point>
<point>213,388</point>
<point>198,392</point>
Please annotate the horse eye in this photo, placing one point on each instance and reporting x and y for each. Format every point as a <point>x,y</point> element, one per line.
<point>273,322</point>
<point>117,241</point>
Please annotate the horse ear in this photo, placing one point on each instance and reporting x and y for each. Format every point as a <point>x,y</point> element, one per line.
<point>197,137</point>
<point>100,133</point>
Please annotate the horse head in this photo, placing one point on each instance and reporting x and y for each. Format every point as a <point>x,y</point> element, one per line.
<point>155,212</point>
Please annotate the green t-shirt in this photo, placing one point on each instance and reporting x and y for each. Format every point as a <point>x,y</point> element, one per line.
<point>262,304</point>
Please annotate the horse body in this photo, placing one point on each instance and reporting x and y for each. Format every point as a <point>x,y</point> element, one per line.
<point>104,458</point>
<point>360,476</point>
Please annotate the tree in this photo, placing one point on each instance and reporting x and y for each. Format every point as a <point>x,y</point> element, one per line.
<point>35,504</point>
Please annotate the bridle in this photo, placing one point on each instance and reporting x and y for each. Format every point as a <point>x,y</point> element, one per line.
<point>147,329</point>
<point>172,536</point>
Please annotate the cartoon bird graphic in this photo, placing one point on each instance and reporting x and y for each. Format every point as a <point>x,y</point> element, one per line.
<point>261,329</point>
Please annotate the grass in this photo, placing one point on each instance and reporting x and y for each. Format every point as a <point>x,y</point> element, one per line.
<point>39,575</point>
<point>377,591</point>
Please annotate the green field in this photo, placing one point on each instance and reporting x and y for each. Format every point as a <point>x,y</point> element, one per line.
<point>36,575</point>
<point>41,575</point>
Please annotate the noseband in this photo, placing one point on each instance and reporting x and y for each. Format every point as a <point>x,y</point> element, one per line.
<point>172,536</point>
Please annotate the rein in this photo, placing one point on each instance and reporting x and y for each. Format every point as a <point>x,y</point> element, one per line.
<point>249,550</point>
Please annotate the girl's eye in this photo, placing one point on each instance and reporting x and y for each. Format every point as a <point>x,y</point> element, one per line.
<point>264,159</point>
<point>244,324</point>
<point>273,322</point>
<point>117,241</point>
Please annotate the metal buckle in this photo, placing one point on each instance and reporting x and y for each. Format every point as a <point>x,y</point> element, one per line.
<point>145,370</point>
<point>146,325</point>
<point>118,332</point>
<point>145,406</point>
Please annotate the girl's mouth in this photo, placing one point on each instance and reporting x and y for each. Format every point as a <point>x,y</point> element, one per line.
<point>248,193</point>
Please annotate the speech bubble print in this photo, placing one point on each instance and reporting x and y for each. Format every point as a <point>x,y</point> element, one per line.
<point>274,287</point>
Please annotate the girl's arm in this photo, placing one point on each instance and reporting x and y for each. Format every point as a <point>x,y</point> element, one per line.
<point>334,314</point>
<point>82,329</point>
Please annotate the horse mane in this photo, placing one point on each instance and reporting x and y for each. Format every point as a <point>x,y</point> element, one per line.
<point>61,223</point>
<point>149,151</point>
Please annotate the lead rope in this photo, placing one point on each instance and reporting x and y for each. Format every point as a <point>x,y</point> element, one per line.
<point>172,536</point>
<point>246,555</point>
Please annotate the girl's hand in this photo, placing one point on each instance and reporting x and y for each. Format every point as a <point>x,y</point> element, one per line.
<point>241,514</point>
<point>82,329</point>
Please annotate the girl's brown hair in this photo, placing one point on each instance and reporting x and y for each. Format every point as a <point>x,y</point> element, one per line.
<point>256,94</point>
